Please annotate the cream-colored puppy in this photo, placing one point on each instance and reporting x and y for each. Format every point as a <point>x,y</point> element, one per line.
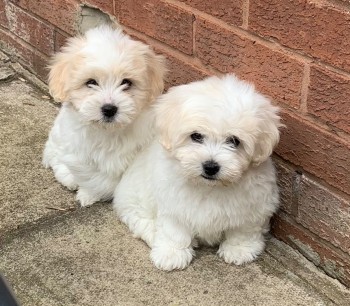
<point>208,178</point>
<point>106,82</point>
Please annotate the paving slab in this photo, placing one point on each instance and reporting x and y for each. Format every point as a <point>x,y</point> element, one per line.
<point>27,189</point>
<point>3,57</point>
<point>6,73</point>
<point>87,257</point>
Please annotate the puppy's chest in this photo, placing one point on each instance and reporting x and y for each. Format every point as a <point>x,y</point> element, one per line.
<point>213,216</point>
<point>110,154</point>
<point>213,213</point>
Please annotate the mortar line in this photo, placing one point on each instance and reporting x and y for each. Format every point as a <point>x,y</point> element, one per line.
<point>294,168</point>
<point>188,59</point>
<point>209,70</point>
<point>194,30</point>
<point>245,15</point>
<point>326,243</point>
<point>265,41</point>
<point>305,88</point>
<point>22,42</point>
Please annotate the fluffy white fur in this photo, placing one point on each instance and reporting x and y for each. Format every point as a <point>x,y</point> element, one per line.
<point>102,72</point>
<point>167,198</point>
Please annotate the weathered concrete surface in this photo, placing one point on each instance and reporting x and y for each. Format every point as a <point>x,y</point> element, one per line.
<point>27,189</point>
<point>87,257</point>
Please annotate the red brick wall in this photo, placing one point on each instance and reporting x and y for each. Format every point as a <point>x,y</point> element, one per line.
<point>295,51</point>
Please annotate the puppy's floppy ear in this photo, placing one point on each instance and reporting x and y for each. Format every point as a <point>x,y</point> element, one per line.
<point>156,72</point>
<point>167,112</point>
<point>268,137</point>
<point>61,68</point>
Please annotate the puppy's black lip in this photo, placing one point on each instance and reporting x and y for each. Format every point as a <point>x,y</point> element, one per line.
<point>208,178</point>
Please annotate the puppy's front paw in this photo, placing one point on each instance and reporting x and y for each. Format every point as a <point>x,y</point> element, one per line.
<point>169,258</point>
<point>85,198</point>
<point>241,253</point>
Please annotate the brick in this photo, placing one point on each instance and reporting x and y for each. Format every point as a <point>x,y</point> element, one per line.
<point>28,57</point>
<point>324,213</point>
<point>30,29</point>
<point>315,150</point>
<point>227,10</point>
<point>328,98</point>
<point>117,9</point>
<point>285,180</point>
<point>329,259</point>
<point>273,73</point>
<point>60,40</point>
<point>3,17</point>
<point>316,28</point>
<point>64,14</point>
<point>160,20</point>
<point>104,5</point>
<point>180,72</point>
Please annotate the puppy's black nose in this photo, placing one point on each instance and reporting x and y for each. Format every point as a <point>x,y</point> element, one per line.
<point>109,110</point>
<point>211,167</point>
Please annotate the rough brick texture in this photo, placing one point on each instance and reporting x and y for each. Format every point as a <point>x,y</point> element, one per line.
<point>160,20</point>
<point>329,259</point>
<point>30,29</point>
<point>104,5</point>
<point>60,40</point>
<point>274,73</point>
<point>181,72</point>
<point>62,13</point>
<point>324,213</point>
<point>316,151</point>
<point>328,100</point>
<point>295,51</point>
<point>286,181</point>
<point>28,56</point>
<point>3,17</point>
<point>316,28</point>
<point>226,10</point>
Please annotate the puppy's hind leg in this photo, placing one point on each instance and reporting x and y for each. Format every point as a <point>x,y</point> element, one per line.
<point>140,219</point>
<point>94,186</point>
<point>64,176</point>
<point>61,171</point>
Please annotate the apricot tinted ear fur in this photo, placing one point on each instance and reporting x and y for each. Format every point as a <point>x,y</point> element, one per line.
<point>269,133</point>
<point>61,67</point>
<point>156,72</point>
<point>167,117</point>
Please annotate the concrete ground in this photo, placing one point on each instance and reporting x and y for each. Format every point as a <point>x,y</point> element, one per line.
<point>54,253</point>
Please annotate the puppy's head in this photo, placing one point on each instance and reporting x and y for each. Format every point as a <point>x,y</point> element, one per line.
<point>217,128</point>
<point>106,76</point>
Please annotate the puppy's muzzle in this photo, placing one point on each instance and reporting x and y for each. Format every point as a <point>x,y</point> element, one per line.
<point>109,111</point>
<point>210,169</point>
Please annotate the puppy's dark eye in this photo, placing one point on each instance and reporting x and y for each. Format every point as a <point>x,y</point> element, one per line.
<point>233,141</point>
<point>196,137</point>
<point>91,82</point>
<point>126,82</point>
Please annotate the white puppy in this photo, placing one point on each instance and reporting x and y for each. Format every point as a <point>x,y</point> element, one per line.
<point>107,82</point>
<point>208,178</point>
